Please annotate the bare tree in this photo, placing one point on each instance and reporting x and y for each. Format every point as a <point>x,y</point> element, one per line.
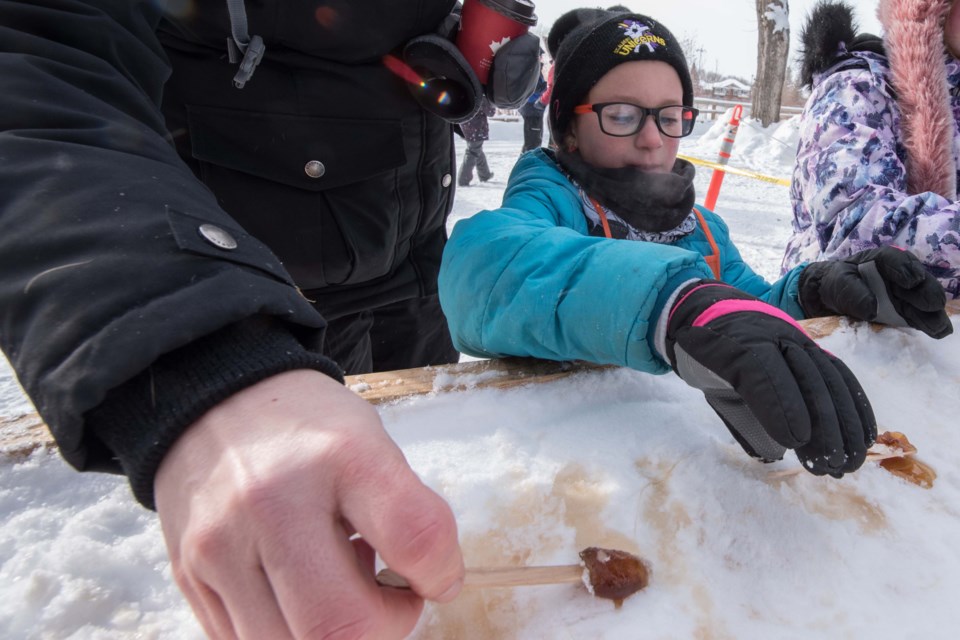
<point>694,54</point>
<point>695,80</point>
<point>792,95</point>
<point>773,20</point>
<point>714,76</point>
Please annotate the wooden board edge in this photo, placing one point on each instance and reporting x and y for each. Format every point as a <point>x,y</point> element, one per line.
<point>21,436</point>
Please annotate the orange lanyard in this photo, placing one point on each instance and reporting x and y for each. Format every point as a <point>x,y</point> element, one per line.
<point>713,260</point>
<point>603,218</point>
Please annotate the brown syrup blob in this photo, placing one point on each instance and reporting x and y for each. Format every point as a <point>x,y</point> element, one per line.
<point>614,574</point>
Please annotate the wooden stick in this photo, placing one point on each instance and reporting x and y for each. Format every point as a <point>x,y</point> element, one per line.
<point>487,577</point>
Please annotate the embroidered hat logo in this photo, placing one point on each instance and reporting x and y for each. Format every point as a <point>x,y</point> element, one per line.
<point>637,37</point>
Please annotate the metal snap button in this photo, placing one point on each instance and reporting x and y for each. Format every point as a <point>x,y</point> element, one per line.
<point>314,169</point>
<point>217,236</point>
<point>446,180</point>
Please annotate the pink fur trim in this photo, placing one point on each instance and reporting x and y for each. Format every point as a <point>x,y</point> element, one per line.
<point>913,35</point>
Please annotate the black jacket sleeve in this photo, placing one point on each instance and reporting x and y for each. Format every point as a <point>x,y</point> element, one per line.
<point>108,273</point>
<point>181,385</point>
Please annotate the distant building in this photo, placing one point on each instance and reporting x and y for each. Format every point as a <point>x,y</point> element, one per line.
<point>728,88</point>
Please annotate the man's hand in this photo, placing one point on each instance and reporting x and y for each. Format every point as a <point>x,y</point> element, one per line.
<point>258,501</point>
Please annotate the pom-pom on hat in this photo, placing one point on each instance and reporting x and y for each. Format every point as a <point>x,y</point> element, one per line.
<point>587,43</point>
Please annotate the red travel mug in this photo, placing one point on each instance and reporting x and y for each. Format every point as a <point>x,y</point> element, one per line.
<point>486,25</point>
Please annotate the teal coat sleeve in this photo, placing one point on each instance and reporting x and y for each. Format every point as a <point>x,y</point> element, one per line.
<point>527,280</point>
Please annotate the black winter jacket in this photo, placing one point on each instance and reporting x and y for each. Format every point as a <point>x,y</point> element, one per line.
<point>157,225</point>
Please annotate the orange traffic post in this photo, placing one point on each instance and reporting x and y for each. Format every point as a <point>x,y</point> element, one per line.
<point>726,149</point>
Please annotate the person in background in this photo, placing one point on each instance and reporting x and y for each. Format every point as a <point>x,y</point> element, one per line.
<point>545,101</point>
<point>599,254</point>
<point>209,213</point>
<point>877,160</point>
<point>476,131</point>
<point>532,113</point>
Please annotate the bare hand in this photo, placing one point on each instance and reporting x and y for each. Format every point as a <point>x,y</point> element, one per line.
<point>258,500</point>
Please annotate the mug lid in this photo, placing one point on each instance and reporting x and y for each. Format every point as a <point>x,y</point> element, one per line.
<point>520,10</point>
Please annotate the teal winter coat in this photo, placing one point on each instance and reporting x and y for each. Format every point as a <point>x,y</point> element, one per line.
<point>527,280</point>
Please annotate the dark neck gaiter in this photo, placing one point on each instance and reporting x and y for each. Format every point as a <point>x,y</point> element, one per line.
<point>653,202</point>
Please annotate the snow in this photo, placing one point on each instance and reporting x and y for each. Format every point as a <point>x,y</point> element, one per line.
<point>779,14</point>
<point>613,458</point>
<point>12,400</point>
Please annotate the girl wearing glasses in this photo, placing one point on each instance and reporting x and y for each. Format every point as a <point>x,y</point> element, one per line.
<point>599,254</point>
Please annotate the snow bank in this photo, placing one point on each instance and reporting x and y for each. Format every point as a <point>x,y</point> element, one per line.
<point>757,148</point>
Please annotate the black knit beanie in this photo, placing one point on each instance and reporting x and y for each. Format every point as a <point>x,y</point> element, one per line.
<point>587,43</point>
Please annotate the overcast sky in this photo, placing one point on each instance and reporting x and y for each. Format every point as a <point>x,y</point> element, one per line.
<point>725,29</point>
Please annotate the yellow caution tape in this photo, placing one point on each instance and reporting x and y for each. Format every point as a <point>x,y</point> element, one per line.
<point>740,172</point>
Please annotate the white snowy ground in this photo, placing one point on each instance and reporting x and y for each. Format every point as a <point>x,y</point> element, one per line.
<point>617,459</point>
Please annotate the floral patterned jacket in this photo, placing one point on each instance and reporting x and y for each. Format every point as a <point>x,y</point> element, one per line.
<point>849,182</point>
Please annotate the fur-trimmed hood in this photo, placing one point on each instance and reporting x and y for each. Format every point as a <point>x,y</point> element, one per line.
<point>913,44</point>
<point>828,26</point>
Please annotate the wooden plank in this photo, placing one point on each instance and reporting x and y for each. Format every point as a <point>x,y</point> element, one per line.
<point>501,373</point>
<point>21,436</point>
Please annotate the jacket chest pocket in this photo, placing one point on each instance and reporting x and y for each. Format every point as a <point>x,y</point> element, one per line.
<point>322,193</point>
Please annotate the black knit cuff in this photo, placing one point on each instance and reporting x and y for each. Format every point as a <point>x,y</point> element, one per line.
<point>141,419</point>
<point>808,290</point>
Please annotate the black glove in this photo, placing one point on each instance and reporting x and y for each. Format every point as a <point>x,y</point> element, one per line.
<point>772,386</point>
<point>514,72</point>
<point>885,285</point>
<point>448,88</point>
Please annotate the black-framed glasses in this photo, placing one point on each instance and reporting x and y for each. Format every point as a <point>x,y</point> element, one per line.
<point>621,119</point>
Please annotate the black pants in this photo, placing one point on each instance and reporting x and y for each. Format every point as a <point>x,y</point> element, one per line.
<point>403,335</point>
<point>532,132</point>
<point>474,157</point>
